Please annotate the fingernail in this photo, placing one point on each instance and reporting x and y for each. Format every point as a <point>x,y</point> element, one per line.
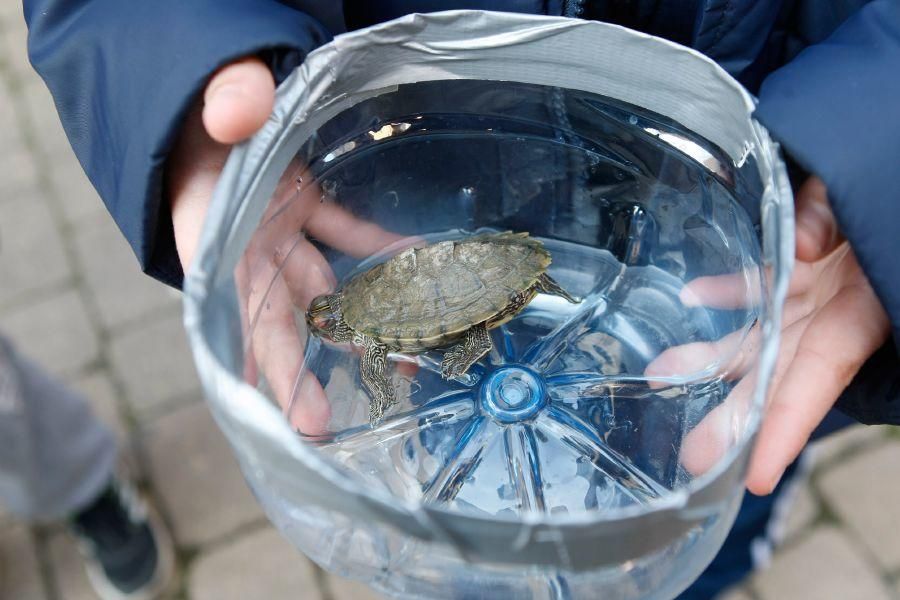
<point>224,91</point>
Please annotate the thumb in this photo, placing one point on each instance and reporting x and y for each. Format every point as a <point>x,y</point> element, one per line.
<point>238,100</point>
<point>817,229</point>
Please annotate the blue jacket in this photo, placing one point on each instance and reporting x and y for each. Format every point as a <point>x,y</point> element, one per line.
<point>827,72</point>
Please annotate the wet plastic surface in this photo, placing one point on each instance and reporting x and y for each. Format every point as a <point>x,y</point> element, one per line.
<point>562,415</point>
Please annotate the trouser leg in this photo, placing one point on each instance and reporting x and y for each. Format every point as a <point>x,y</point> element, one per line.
<point>55,456</point>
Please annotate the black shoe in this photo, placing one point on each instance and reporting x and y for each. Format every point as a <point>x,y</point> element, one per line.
<point>128,551</point>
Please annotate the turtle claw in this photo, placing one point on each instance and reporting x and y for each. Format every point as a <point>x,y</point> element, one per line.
<point>548,285</point>
<point>460,357</point>
<point>452,363</point>
<point>377,409</point>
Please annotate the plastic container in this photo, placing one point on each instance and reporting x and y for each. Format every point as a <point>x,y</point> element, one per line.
<point>598,449</point>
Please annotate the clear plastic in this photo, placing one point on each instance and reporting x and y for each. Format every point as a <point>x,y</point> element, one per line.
<point>616,403</point>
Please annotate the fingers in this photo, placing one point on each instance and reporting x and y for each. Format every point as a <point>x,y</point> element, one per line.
<point>719,430</point>
<point>817,230</point>
<point>729,354</point>
<point>729,291</point>
<point>834,345</point>
<point>279,353</point>
<point>732,355</point>
<point>281,274</point>
<point>340,229</point>
<point>238,100</point>
<point>242,283</point>
<point>191,174</point>
<point>298,203</point>
<point>306,272</point>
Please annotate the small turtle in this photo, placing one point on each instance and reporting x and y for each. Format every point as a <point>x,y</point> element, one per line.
<point>445,294</point>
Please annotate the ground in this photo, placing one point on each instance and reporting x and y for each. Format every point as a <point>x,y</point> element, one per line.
<point>73,298</point>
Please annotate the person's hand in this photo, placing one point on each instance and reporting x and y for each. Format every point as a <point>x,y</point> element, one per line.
<point>832,323</point>
<point>236,103</point>
<point>281,270</point>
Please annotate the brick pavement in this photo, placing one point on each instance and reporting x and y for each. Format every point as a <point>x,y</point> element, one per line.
<point>77,303</point>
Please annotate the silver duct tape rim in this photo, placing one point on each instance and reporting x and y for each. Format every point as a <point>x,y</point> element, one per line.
<point>471,45</point>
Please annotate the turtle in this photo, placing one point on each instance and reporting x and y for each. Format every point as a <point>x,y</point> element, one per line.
<point>444,295</point>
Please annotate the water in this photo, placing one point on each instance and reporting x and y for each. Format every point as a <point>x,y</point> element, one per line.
<point>559,417</point>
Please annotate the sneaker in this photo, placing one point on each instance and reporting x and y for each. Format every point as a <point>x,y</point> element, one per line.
<point>128,552</point>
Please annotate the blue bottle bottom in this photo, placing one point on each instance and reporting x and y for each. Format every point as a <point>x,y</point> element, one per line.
<point>512,394</point>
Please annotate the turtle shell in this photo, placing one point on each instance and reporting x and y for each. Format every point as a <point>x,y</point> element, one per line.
<point>425,297</point>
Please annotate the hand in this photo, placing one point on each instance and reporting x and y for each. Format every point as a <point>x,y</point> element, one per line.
<point>832,323</point>
<point>236,103</point>
<point>281,269</point>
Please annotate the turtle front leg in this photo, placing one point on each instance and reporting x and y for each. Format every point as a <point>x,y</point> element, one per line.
<point>548,285</point>
<point>372,370</point>
<point>460,357</point>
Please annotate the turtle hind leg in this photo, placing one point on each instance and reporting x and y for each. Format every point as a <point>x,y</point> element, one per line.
<point>546,284</point>
<point>373,372</point>
<point>463,355</point>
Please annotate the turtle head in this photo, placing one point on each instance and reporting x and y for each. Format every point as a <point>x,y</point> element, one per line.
<point>324,318</point>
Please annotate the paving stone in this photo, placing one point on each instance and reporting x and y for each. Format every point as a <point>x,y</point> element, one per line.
<point>154,362</point>
<point>31,254</point>
<point>196,476</point>
<point>120,289</point>
<point>347,589</point>
<point>76,194</point>
<point>18,174</point>
<point>69,576</point>
<point>10,136</point>
<point>825,565</point>
<point>846,441</point>
<point>19,573</point>
<point>11,13</point>
<point>15,44</point>
<point>864,491</point>
<point>803,510</point>
<point>735,593</point>
<point>55,332</point>
<point>44,121</point>
<point>259,565</point>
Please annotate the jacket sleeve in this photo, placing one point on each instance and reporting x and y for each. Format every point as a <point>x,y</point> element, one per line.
<point>123,74</point>
<point>836,109</point>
